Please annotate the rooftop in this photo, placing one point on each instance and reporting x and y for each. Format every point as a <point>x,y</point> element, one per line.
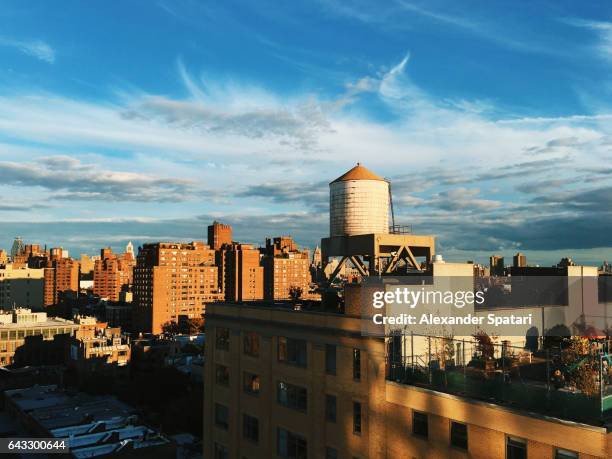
<point>358,172</point>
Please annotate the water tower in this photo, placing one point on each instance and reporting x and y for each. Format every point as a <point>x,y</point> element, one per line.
<point>358,203</point>
<point>359,207</point>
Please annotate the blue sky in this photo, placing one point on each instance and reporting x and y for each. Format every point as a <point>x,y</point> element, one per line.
<point>144,120</point>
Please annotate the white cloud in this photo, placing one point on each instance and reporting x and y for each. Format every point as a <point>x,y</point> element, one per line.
<point>603,32</point>
<point>35,48</point>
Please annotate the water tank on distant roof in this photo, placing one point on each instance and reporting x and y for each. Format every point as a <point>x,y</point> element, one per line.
<point>358,203</point>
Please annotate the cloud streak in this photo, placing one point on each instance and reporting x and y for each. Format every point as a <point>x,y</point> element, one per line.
<point>34,48</point>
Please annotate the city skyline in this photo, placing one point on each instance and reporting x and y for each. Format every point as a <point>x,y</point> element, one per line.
<point>205,114</point>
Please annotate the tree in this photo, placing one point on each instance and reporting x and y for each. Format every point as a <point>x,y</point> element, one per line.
<point>170,328</point>
<point>484,345</point>
<point>295,292</point>
<point>581,366</point>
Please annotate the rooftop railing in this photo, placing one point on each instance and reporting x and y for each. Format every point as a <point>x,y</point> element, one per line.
<point>552,381</point>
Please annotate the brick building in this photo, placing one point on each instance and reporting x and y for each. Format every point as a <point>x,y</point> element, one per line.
<point>112,274</point>
<point>61,277</point>
<point>244,275</point>
<point>219,234</point>
<point>173,280</point>
<point>309,384</point>
<point>285,267</point>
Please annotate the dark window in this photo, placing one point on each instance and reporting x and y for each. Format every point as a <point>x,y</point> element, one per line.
<point>419,424</point>
<point>356,364</point>
<point>290,445</point>
<point>292,396</point>
<point>330,408</point>
<point>292,351</point>
<point>357,417</point>
<point>330,359</point>
<point>222,338</point>
<point>251,383</point>
<point>565,454</point>
<point>516,448</point>
<point>459,435</point>
<point>250,428</point>
<point>221,416</point>
<point>221,452</point>
<point>251,344</point>
<point>331,453</point>
<point>222,375</point>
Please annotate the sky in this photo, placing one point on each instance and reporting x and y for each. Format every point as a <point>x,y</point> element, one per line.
<point>146,120</point>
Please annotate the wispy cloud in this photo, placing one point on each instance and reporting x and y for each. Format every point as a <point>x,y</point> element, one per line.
<point>35,48</point>
<point>74,180</point>
<point>602,31</point>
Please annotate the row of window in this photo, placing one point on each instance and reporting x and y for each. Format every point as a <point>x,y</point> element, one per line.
<point>290,351</point>
<point>292,396</point>
<point>288,444</point>
<point>516,448</point>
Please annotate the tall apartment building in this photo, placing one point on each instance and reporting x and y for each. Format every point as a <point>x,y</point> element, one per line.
<point>21,287</point>
<point>61,277</point>
<point>244,275</point>
<point>219,234</point>
<point>172,280</point>
<point>519,260</point>
<point>112,274</point>
<point>3,258</point>
<point>496,265</point>
<point>284,383</point>
<point>285,267</point>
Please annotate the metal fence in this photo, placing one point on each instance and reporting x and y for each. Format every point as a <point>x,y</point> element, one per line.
<point>548,378</point>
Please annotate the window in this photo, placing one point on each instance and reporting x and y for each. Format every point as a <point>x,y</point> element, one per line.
<point>222,375</point>
<point>459,435</point>
<point>419,424</point>
<point>356,364</point>
<point>291,445</point>
<point>251,383</point>
<point>330,359</point>
<point>222,338</point>
<point>221,416</point>
<point>221,452</point>
<point>250,428</point>
<point>356,417</point>
<point>292,351</point>
<point>565,454</point>
<point>251,344</point>
<point>516,448</point>
<point>330,408</point>
<point>331,453</point>
<point>291,396</point>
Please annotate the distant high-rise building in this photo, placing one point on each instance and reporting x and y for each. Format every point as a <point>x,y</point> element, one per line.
<point>496,265</point>
<point>87,264</point>
<point>112,274</point>
<point>61,277</point>
<point>285,267</point>
<point>17,248</point>
<point>173,280</point>
<point>519,260</point>
<point>243,273</point>
<point>316,257</point>
<point>129,248</point>
<point>3,258</point>
<point>218,235</point>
